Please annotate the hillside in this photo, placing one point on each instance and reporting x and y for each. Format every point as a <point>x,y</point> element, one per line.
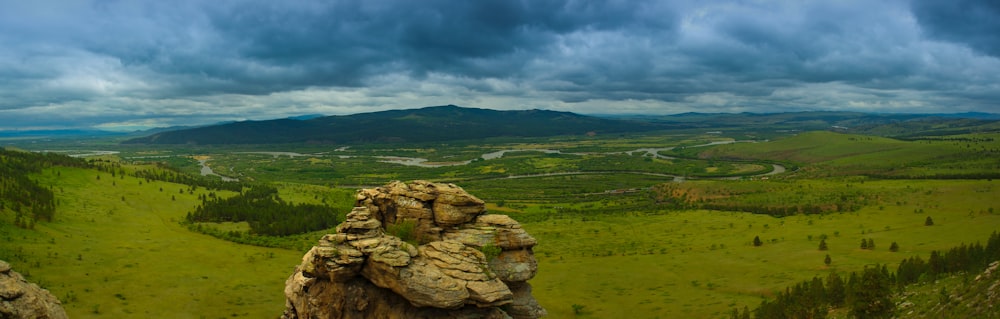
<point>590,206</point>
<point>826,153</point>
<point>430,124</point>
<point>881,124</point>
<point>811,147</point>
<point>965,295</point>
<point>450,123</point>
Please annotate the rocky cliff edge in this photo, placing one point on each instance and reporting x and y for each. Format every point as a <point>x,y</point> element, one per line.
<point>417,250</point>
<point>22,299</point>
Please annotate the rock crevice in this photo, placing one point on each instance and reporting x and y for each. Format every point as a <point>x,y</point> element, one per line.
<point>453,260</point>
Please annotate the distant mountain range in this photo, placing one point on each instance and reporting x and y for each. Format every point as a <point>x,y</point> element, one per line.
<point>449,123</point>
<point>57,133</point>
<point>429,124</point>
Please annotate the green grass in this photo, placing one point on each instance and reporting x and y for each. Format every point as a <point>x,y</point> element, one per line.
<point>361,165</point>
<point>835,154</point>
<point>605,242</point>
<point>701,264</point>
<point>114,258</point>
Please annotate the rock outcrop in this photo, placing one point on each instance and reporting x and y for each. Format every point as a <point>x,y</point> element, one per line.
<point>979,298</point>
<point>22,299</point>
<point>417,250</point>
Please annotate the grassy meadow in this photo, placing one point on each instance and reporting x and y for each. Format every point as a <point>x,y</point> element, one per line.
<point>117,250</point>
<point>826,154</point>
<point>622,235</point>
<point>701,264</point>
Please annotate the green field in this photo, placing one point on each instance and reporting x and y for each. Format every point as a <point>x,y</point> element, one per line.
<point>117,250</point>
<point>698,263</point>
<point>827,153</point>
<point>620,235</point>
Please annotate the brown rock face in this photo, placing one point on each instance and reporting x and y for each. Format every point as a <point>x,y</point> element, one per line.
<point>363,272</point>
<point>21,299</point>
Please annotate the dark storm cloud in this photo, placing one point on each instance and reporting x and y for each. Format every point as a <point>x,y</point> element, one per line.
<point>128,62</point>
<point>974,23</point>
<point>340,43</point>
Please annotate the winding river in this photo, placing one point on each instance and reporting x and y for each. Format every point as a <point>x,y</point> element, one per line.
<point>207,171</point>
<point>655,152</point>
<point>423,162</point>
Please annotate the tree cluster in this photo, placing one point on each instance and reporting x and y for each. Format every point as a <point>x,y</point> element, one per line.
<point>752,200</point>
<point>868,294</point>
<point>163,172</point>
<point>964,258</point>
<point>265,212</point>
<point>783,210</point>
<point>868,244</point>
<point>29,201</point>
<point>935,175</point>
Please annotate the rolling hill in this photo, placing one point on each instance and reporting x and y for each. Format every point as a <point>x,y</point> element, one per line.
<point>430,124</point>
<point>450,123</point>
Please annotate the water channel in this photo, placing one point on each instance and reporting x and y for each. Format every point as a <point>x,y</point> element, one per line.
<point>207,171</point>
<point>423,162</point>
<point>654,152</point>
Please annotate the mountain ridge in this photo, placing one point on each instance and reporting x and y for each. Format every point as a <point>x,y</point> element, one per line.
<point>428,124</point>
<point>451,123</point>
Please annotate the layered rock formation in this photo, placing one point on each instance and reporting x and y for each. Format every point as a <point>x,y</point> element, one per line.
<point>22,299</point>
<point>442,256</point>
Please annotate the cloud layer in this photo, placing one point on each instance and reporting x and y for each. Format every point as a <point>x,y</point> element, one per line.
<point>134,64</point>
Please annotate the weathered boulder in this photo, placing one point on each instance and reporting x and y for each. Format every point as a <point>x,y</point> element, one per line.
<point>524,305</point>
<point>454,206</point>
<point>22,299</point>
<point>420,283</point>
<point>468,264</point>
<point>515,265</point>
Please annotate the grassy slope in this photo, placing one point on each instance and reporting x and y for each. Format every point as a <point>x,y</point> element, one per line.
<point>106,257</point>
<point>967,295</point>
<point>669,268</point>
<point>685,277</point>
<point>812,147</point>
<point>858,154</point>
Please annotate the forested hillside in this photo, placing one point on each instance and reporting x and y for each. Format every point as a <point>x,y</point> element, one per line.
<point>265,212</point>
<point>452,123</point>
<point>29,201</point>
<point>869,293</point>
<point>431,124</point>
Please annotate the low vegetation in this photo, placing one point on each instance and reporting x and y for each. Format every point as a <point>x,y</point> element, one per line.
<point>116,249</point>
<point>265,212</point>
<point>646,225</point>
<point>869,293</point>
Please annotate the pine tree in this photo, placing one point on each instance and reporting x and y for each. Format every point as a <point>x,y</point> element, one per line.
<point>835,290</point>
<point>871,297</point>
<point>864,243</point>
<point>822,244</point>
<point>827,260</point>
<point>928,221</point>
<point>756,241</point>
<point>894,247</point>
<point>871,244</point>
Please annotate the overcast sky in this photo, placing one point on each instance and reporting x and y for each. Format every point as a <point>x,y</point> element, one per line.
<point>138,64</point>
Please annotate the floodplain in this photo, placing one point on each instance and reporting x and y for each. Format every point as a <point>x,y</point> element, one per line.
<point>652,225</point>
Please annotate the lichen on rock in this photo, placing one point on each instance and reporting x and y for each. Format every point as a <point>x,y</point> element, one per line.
<point>363,272</point>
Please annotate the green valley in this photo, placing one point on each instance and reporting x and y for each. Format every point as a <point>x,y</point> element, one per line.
<point>650,224</point>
